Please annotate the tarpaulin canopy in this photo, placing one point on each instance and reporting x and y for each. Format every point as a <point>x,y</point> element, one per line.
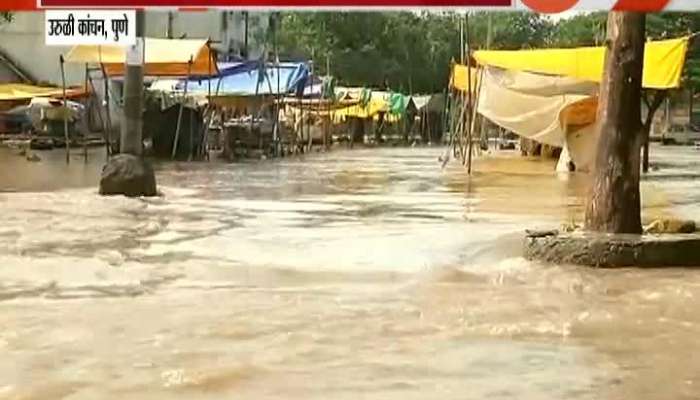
<point>350,93</point>
<point>557,111</point>
<point>251,78</point>
<point>19,92</point>
<point>366,110</point>
<point>318,104</point>
<point>399,104</point>
<point>371,103</point>
<point>435,103</point>
<point>663,62</point>
<point>163,57</point>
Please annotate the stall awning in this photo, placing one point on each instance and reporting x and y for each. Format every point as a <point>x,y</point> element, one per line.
<point>254,78</point>
<point>394,104</point>
<point>163,57</point>
<point>663,62</point>
<point>19,92</point>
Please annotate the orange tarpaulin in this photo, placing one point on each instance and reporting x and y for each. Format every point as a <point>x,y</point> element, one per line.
<point>163,57</point>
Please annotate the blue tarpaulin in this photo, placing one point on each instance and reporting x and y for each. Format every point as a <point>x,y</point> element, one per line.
<point>241,79</point>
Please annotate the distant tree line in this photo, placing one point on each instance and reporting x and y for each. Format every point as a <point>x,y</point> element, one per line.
<point>411,52</point>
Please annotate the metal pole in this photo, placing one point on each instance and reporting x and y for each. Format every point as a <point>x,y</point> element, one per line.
<point>65,110</point>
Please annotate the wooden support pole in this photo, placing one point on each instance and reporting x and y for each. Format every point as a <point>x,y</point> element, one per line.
<point>93,97</point>
<point>85,149</point>
<point>470,102</point>
<point>65,110</point>
<point>312,91</point>
<point>204,143</point>
<point>261,70</point>
<point>474,113</point>
<point>275,119</point>
<point>108,121</point>
<point>179,114</point>
<point>277,139</point>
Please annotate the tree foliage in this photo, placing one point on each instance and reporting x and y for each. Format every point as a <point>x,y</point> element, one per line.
<point>411,51</point>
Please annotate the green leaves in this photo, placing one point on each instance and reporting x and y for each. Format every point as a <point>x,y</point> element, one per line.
<point>5,16</point>
<point>411,51</point>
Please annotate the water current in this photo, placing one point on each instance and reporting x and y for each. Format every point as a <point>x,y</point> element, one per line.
<point>363,274</point>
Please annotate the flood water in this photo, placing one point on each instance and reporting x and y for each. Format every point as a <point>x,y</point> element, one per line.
<point>364,274</point>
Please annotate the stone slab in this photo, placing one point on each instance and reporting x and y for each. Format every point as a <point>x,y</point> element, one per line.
<point>613,251</point>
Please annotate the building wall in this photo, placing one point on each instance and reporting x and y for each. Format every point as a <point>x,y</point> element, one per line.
<point>6,75</point>
<point>23,38</point>
<point>23,41</point>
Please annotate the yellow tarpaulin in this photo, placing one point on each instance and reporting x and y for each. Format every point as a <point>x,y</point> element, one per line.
<point>19,92</point>
<point>663,62</point>
<point>375,105</point>
<point>163,57</point>
<point>460,78</point>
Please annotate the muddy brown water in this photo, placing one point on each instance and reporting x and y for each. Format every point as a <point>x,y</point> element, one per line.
<point>366,274</point>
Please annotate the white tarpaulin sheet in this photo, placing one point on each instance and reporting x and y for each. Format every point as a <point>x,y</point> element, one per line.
<point>557,111</point>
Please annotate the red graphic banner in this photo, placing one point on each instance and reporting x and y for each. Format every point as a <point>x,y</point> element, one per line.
<point>544,6</point>
<point>275,3</point>
<point>557,6</point>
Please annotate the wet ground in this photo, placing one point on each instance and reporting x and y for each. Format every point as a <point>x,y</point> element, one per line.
<point>367,274</point>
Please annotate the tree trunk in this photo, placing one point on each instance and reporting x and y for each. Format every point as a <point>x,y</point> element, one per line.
<point>614,205</point>
<point>652,107</point>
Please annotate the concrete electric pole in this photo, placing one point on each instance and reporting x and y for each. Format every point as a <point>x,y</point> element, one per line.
<point>131,140</point>
<point>129,173</point>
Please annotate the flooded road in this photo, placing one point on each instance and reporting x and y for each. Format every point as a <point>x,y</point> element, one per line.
<point>365,274</point>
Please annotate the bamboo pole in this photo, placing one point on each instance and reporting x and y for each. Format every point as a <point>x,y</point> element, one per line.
<point>94,98</point>
<point>85,149</point>
<point>310,139</point>
<point>65,110</point>
<point>275,121</point>
<point>108,122</point>
<point>474,111</point>
<point>263,69</point>
<point>204,145</point>
<point>179,114</point>
<point>278,146</point>
<point>212,111</point>
<point>469,94</point>
<point>328,124</point>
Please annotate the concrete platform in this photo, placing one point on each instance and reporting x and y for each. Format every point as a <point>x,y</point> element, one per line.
<point>613,251</point>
